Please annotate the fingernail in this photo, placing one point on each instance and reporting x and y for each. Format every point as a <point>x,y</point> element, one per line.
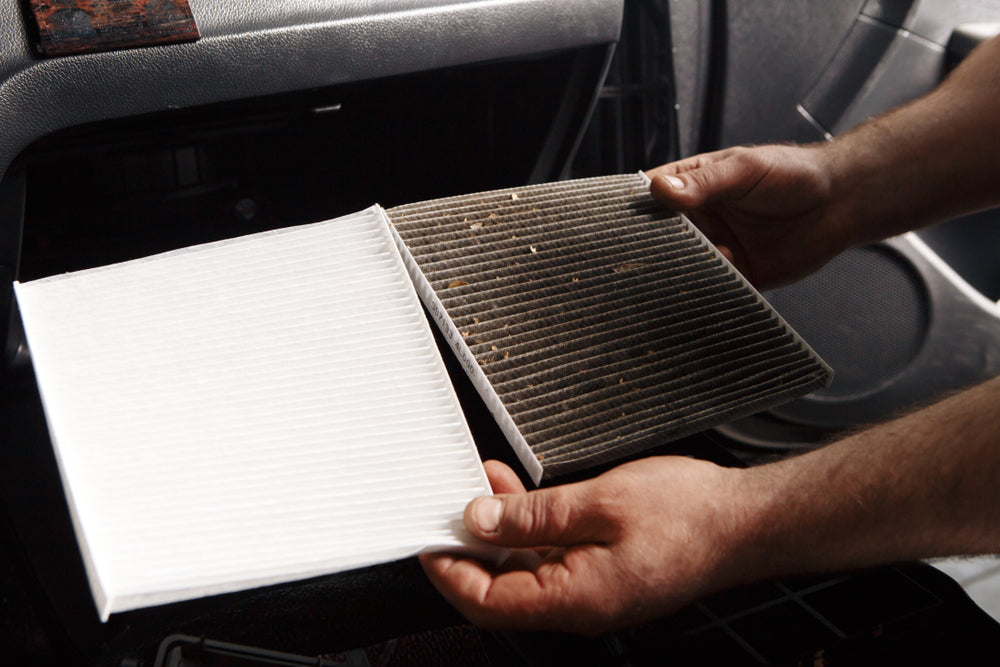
<point>487,514</point>
<point>674,182</point>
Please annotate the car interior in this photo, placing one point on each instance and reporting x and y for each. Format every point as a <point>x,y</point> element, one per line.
<point>272,114</point>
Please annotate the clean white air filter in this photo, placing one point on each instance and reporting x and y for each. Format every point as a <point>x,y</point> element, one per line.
<point>249,412</point>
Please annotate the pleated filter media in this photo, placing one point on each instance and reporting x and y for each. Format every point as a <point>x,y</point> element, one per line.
<point>595,323</point>
<point>249,412</point>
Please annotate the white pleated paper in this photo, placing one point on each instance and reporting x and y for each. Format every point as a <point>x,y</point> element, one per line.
<point>249,412</point>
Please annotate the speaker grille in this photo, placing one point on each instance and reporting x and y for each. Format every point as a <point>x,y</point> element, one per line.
<point>604,323</point>
<point>866,312</point>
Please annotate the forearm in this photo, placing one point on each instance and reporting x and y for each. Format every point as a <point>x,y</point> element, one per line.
<point>927,161</point>
<point>924,485</point>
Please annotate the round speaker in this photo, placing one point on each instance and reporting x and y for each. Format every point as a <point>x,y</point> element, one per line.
<point>866,313</point>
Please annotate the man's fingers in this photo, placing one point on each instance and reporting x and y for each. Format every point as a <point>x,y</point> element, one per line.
<point>727,253</point>
<point>688,164</point>
<point>553,595</point>
<point>502,478</point>
<point>692,183</point>
<point>462,581</point>
<point>560,516</point>
<point>679,191</point>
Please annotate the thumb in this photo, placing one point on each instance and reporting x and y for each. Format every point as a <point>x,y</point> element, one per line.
<point>559,516</point>
<point>684,188</point>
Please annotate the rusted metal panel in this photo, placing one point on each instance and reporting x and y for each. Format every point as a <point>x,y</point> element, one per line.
<point>67,27</point>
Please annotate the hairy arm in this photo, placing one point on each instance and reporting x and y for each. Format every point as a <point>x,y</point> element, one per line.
<point>924,485</point>
<point>929,160</point>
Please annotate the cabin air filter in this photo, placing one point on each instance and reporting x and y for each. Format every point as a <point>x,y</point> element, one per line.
<point>595,323</point>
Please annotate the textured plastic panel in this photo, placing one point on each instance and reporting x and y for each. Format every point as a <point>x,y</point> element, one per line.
<point>602,323</point>
<point>848,54</point>
<point>877,68</point>
<point>249,49</point>
<point>911,68</point>
<point>773,54</point>
<point>857,57</point>
<point>932,19</point>
<point>893,12</point>
<point>960,244</point>
<point>968,36</point>
<point>690,25</point>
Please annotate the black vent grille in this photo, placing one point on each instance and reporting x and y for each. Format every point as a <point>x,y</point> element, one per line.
<point>604,323</point>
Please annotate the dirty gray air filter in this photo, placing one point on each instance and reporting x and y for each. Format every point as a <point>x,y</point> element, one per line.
<point>593,322</point>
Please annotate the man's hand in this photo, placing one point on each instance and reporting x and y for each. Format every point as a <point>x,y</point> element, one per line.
<point>769,209</point>
<point>639,541</point>
<point>651,536</point>
<point>780,212</point>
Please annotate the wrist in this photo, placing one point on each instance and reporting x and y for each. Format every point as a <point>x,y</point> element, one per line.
<point>848,218</point>
<point>790,520</point>
<point>751,544</point>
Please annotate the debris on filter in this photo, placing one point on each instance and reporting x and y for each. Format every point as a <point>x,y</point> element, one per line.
<point>625,236</point>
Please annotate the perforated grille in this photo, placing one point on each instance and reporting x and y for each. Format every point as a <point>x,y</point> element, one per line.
<point>866,312</point>
<point>604,323</point>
